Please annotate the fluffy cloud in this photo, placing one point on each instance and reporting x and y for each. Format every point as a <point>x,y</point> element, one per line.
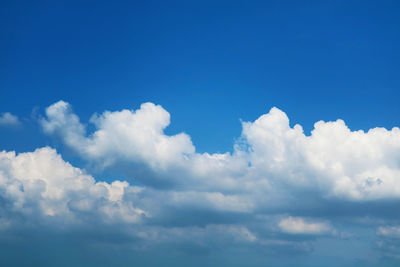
<point>134,135</point>
<point>40,185</point>
<point>274,190</point>
<point>40,188</point>
<point>8,119</point>
<point>333,161</point>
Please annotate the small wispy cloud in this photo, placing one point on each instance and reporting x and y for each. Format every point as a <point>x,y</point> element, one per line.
<point>389,231</point>
<point>8,119</point>
<point>297,225</point>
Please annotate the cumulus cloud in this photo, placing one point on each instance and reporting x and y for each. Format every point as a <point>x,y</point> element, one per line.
<point>333,161</point>
<point>293,225</point>
<point>240,197</point>
<point>134,135</point>
<point>40,188</point>
<point>40,185</point>
<point>8,119</point>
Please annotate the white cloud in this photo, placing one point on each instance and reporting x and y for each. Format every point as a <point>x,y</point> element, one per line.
<point>334,160</point>
<point>134,135</point>
<point>41,184</point>
<point>8,119</point>
<point>271,156</point>
<point>274,169</point>
<point>296,225</point>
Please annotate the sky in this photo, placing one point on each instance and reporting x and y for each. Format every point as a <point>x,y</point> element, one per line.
<point>199,133</point>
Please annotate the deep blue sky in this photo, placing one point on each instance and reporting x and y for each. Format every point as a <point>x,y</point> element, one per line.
<point>209,63</point>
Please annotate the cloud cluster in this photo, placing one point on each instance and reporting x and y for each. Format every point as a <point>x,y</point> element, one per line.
<point>278,188</point>
<point>333,160</point>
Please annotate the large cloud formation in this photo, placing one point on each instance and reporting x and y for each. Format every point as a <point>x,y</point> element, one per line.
<point>279,188</point>
<point>333,160</point>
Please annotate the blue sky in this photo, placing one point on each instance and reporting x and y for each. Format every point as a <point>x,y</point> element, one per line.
<point>175,101</point>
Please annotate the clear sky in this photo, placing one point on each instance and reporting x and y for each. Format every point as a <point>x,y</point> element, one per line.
<point>189,102</point>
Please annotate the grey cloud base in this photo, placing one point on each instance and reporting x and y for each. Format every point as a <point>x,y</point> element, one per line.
<point>278,192</point>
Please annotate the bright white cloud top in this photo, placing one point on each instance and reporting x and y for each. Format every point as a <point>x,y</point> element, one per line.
<point>41,184</point>
<point>333,160</point>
